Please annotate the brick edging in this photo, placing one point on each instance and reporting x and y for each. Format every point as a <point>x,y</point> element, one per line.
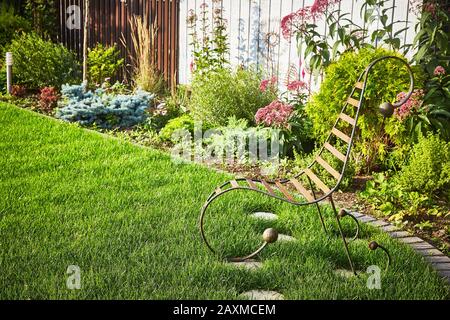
<point>436,258</point>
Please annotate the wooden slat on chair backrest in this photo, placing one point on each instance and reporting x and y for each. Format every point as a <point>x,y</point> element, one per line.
<point>284,191</point>
<point>359,85</point>
<point>251,184</point>
<point>334,151</point>
<point>322,186</point>
<point>341,135</point>
<point>347,119</point>
<point>328,167</point>
<point>352,101</point>
<point>268,188</point>
<point>302,190</point>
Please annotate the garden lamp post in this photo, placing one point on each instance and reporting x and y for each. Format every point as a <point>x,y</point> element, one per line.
<point>9,64</point>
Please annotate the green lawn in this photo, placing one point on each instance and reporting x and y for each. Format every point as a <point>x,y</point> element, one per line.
<point>127,216</point>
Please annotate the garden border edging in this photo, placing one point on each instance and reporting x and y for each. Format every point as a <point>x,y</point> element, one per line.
<point>436,258</point>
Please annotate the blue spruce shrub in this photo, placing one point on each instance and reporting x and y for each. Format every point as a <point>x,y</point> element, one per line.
<point>104,110</point>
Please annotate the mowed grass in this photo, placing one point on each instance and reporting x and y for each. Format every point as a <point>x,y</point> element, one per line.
<point>128,217</point>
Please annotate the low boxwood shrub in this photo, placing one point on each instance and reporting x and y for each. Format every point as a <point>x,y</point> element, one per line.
<point>184,122</point>
<point>39,63</point>
<point>223,93</point>
<point>101,109</point>
<point>387,79</point>
<point>428,166</point>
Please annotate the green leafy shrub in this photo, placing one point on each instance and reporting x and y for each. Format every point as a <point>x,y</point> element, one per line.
<point>185,122</point>
<point>11,24</point>
<point>387,79</point>
<point>101,109</point>
<point>103,63</point>
<point>231,143</point>
<point>172,106</point>
<point>39,63</point>
<point>221,94</point>
<point>303,160</point>
<point>428,167</point>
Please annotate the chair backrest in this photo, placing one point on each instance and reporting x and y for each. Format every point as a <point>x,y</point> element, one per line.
<point>340,140</point>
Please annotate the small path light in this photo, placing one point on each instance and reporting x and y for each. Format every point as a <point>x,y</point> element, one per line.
<point>9,64</point>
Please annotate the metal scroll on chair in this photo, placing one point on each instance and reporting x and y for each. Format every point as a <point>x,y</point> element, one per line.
<point>280,189</point>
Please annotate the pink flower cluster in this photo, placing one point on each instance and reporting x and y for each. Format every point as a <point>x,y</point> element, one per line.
<point>297,85</point>
<point>268,83</point>
<point>295,20</point>
<point>439,71</point>
<point>276,115</point>
<point>412,105</point>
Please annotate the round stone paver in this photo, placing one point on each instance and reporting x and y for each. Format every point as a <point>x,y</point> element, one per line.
<point>264,215</point>
<point>285,237</point>
<point>249,264</point>
<point>262,295</point>
<point>344,273</point>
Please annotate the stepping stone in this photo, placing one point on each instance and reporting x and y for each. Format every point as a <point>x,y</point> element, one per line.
<point>249,264</point>
<point>438,260</point>
<point>262,295</point>
<point>412,240</point>
<point>264,215</point>
<point>356,214</point>
<point>344,273</point>
<point>378,223</point>
<point>399,234</point>
<point>430,252</point>
<point>284,237</point>
<point>421,245</point>
<point>389,228</point>
<point>366,218</point>
<point>445,275</point>
<point>442,266</point>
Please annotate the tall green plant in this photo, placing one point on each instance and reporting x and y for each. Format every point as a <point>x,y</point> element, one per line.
<point>210,45</point>
<point>11,24</point>
<point>104,62</point>
<point>319,49</point>
<point>432,38</point>
<point>44,17</point>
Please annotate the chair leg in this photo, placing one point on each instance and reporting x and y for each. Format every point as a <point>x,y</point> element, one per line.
<point>342,235</point>
<point>318,209</point>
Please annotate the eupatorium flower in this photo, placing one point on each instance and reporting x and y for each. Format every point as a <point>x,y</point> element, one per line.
<point>297,85</point>
<point>439,71</point>
<point>295,21</point>
<point>412,105</point>
<point>276,114</point>
<point>268,83</point>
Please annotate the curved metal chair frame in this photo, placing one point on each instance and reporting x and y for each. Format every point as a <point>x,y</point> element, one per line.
<point>279,189</point>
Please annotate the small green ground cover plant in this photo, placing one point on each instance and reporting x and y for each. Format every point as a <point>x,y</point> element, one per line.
<point>108,206</point>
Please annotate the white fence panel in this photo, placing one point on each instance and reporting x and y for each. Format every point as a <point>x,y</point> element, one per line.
<point>255,34</point>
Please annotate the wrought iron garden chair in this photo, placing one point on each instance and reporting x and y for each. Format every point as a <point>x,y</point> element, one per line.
<point>281,189</point>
